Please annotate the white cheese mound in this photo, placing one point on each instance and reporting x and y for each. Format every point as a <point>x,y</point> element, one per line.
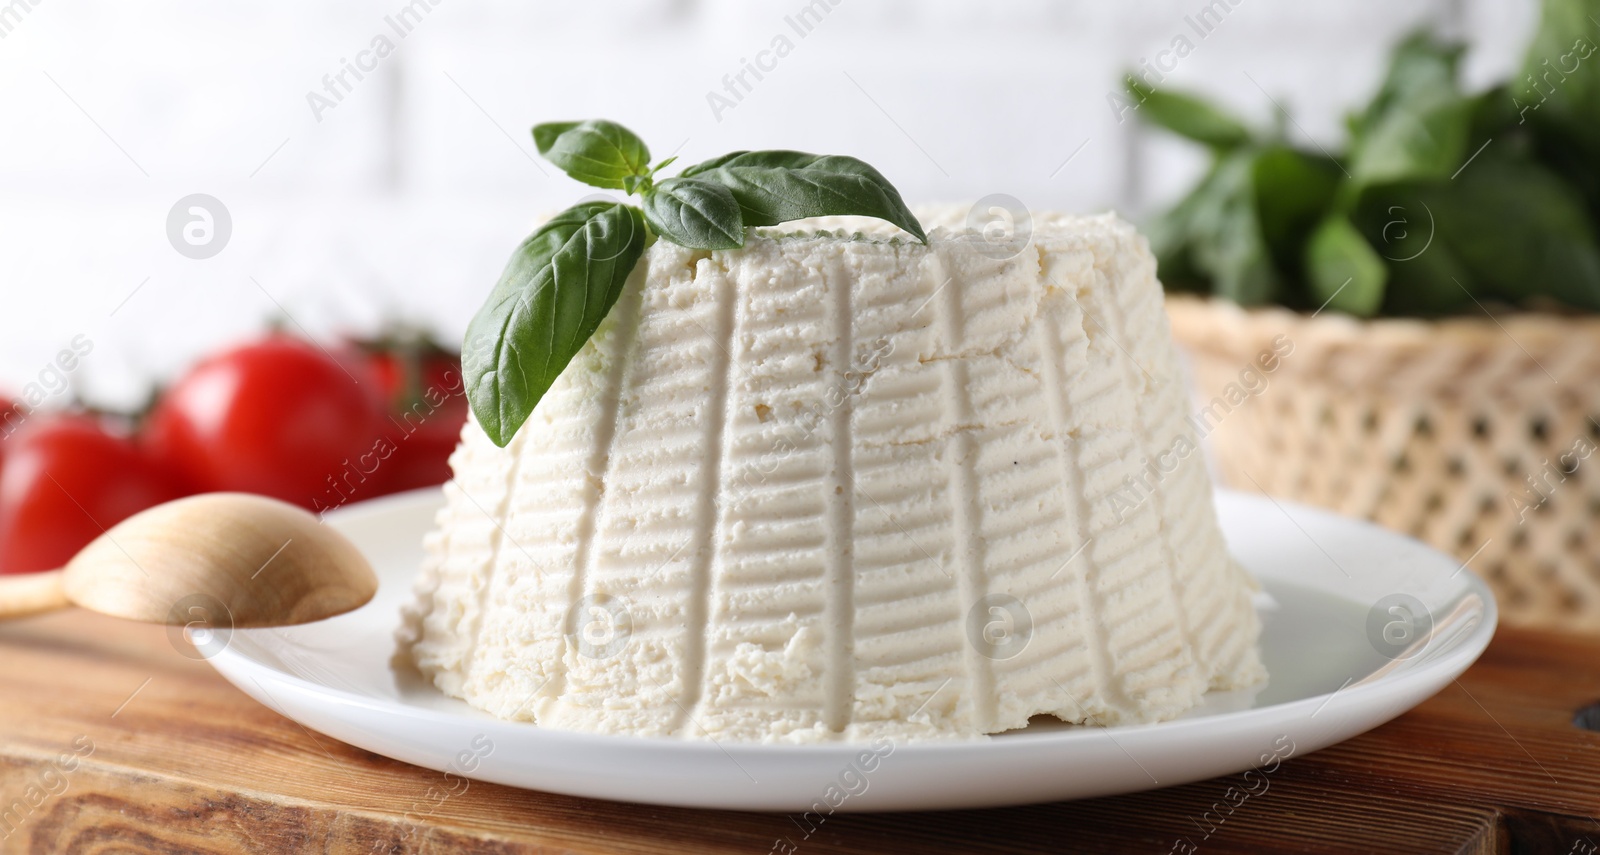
<point>838,485</point>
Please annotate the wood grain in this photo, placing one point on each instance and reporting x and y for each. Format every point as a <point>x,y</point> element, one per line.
<point>113,741</point>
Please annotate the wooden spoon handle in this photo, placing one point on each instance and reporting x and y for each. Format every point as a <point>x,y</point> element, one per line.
<point>31,593</point>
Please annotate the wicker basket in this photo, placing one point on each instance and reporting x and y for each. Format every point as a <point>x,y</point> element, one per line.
<point>1473,434</point>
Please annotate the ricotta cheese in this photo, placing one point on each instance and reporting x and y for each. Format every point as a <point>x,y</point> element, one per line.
<point>839,485</point>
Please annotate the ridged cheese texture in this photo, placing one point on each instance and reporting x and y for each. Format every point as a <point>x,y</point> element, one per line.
<point>841,485</point>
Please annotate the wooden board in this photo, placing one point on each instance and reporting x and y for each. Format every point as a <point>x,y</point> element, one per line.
<point>111,740</point>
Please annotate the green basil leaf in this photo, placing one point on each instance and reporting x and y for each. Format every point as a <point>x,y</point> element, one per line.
<point>1400,222</point>
<point>695,213</point>
<point>1419,123</point>
<point>553,294</point>
<point>1420,65</point>
<point>545,135</point>
<point>1229,246</point>
<point>1188,116</point>
<point>1345,272</point>
<point>1430,285</point>
<point>1173,235</point>
<point>1293,190</point>
<point>595,152</point>
<point>1494,114</point>
<point>775,187</point>
<point>1558,92</point>
<point>1557,75</point>
<point>1425,141</point>
<point>1523,231</point>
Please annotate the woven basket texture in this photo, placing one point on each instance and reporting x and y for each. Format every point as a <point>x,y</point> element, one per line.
<point>1476,435</point>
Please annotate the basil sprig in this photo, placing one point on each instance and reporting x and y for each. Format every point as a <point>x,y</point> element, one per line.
<point>563,280</point>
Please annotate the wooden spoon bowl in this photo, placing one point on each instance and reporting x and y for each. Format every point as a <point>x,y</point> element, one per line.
<point>266,562</point>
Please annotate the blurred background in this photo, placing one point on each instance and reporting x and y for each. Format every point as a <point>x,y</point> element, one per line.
<point>371,163</point>
<point>180,176</point>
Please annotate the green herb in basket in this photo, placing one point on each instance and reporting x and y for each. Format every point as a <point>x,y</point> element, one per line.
<point>1439,198</point>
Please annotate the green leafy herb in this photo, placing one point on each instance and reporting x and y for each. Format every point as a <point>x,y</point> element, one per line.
<point>564,279</point>
<point>1441,199</point>
<point>596,152</point>
<point>1242,228</point>
<point>1505,229</point>
<point>775,187</point>
<point>1229,243</point>
<point>1558,92</point>
<point>1345,273</point>
<point>1188,116</point>
<point>1418,124</point>
<point>1292,189</point>
<point>695,212</point>
<point>552,296</point>
<point>1173,235</point>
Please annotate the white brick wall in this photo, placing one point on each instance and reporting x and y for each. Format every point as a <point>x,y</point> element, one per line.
<point>403,200</point>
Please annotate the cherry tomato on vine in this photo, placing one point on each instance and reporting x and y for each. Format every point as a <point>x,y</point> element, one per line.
<point>66,479</point>
<point>279,417</point>
<point>425,406</point>
<point>12,415</point>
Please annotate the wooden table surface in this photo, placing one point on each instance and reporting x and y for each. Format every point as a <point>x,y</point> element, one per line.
<point>111,741</point>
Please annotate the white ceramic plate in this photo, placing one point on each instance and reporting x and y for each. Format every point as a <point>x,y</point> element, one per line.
<point>1329,586</point>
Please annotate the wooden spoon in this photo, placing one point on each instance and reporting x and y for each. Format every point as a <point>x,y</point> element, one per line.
<point>267,563</point>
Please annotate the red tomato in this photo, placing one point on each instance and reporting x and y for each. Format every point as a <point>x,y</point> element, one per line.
<point>425,428</point>
<point>426,407</point>
<point>11,418</point>
<point>67,479</point>
<point>388,369</point>
<point>278,417</point>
